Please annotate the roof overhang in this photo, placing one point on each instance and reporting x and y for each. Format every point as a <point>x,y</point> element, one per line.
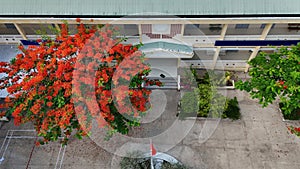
<point>241,20</point>
<point>146,7</point>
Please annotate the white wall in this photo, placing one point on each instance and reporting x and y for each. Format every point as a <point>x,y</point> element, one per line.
<point>168,67</point>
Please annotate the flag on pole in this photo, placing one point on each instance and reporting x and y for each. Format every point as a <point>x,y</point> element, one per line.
<point>153,150</point>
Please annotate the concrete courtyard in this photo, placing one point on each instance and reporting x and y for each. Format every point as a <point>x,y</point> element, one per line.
<point>260,140</point>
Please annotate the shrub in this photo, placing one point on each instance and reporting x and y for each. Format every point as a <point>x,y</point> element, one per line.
<point>189,102</point>
<point>205,101</point>
<point>167,165</point>
<point>132,161</point>
<point>211,103</point>
<point>205,95</point>
<point>233,109</point>
<point>293,115</point>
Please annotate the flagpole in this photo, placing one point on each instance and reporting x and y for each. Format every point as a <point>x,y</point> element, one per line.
<point>151,160</point>
<point>152,167</point>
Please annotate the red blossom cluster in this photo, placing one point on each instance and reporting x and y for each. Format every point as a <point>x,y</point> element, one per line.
<point>282,84</point>
<point>64,83</point>
<point>294,130</point>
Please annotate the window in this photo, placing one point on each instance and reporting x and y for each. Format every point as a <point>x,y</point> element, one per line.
<point>241,26</point>
<point>191,26</point>
<point>161,28</point>
<point>130,26</point>
<point>262,26</point>
<point>10,26</point>
<point>130,30</point>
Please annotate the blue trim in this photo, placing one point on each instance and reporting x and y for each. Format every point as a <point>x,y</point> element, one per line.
<point>29,42</point>
<point>256,42</point>
<point>241,26</point>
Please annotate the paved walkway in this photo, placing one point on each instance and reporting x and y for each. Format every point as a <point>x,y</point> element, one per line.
<point>260,140</point>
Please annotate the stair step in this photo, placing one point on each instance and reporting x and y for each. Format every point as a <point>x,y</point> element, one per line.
<point>167,79</point>
<point>169,83</point>
<point>161,78</point>
<point>162,87</point>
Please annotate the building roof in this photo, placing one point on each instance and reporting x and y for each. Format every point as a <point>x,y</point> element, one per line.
<point>148,7</point>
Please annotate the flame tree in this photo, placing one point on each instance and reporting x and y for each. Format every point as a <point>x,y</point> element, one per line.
<point>65,83</point>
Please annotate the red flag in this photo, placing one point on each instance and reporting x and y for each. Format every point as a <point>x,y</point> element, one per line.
<point>153,150</point>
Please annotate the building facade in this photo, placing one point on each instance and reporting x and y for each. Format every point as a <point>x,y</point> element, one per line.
<point>214,34</point>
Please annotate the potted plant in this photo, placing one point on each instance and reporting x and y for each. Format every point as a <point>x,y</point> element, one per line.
<point>220,79</point>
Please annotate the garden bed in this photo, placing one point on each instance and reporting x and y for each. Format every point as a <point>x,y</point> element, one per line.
<point>201,99</point>
<point>192,77</point>
<point>205,103</point>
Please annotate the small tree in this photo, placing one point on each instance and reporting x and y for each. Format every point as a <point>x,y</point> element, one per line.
<point>64,83</point>
<point>275,75</point>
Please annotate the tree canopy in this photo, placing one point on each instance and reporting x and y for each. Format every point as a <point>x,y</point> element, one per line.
<point>65,83</point>
<point>275,75</point>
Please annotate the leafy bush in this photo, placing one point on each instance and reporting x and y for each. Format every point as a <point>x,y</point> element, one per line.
<point>293,115</point>
<point>189,103</point>
<point>211,103</point>
<point>233,109</point>
<point>205,101</point>
<point>133,161</point>
<point>205,95</point>
<point>167,165</point>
